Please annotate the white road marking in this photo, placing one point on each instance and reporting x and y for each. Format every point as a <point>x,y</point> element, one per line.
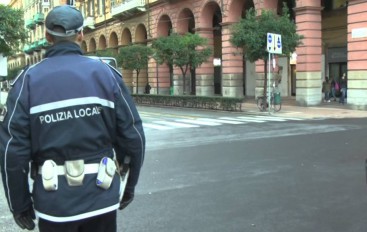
<point>271,118</point>
<point>175,124</point>
<point>222,121</point>
<point>246,119</point>
<point>155,126</point>
<point>198,122</point>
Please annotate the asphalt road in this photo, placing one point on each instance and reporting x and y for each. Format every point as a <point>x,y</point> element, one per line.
<point>275,176</point>
<point>282,176</point>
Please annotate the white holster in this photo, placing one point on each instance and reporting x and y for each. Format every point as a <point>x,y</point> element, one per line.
<point>106,172</point>
<point>49,175</point>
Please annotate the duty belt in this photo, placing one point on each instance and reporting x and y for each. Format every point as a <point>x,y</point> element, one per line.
<point>74,171</point>
<point>88,169</point>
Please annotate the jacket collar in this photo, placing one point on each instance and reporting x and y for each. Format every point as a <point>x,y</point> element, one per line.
<point>63,48</point>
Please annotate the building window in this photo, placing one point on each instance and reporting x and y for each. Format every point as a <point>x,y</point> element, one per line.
<point>45,3</point>
<point>91,8</point>
<point>82,10</point>
<point>101,7</point>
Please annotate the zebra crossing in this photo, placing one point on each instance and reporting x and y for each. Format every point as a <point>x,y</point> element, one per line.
<point>195,122</point>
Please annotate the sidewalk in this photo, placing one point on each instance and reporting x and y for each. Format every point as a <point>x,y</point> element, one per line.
<point>324,110</point>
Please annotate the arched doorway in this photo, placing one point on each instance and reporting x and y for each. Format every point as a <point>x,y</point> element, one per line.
<point>165,71</point>
<point>141,37</point>
<point>83,46</point>
<point>113,42</point>
<point>126,39</point>
<point>92,45</point>
<point>102,43</point>
<point>217,49</point>
<point>335,37</point>
<point>186,24</point>
<point>247,68</point>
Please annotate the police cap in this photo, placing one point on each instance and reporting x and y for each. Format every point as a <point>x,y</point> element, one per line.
<point>67,17</point>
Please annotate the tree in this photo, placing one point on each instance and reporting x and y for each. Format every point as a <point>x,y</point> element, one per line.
<point>134,57</point>
<point>184,51</point>
<point>107,53</point>
<point>192,52</point>
<point>12,32</point>
<point>164,50</point>
<point>250,34</point>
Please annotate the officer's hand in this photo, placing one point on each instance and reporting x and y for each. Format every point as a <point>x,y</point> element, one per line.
<point>126,200</point>
<point>25,219</point>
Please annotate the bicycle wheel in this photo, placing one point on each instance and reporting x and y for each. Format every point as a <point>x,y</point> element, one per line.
<point>277,107</point>
<point>261,103</point>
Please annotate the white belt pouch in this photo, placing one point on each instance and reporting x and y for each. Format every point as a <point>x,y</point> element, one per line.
<point>74,172</point>
<point>106,172</point>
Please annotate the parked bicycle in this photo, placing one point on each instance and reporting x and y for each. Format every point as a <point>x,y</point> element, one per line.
<point>275,102</point>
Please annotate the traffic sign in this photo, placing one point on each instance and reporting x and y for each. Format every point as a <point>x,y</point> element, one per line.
<point>274,43</point>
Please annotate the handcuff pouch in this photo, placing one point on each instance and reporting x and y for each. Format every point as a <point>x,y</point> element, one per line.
<point>74,172</point>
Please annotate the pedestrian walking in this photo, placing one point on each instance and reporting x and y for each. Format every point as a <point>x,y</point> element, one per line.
<point>326,89</point>
<point>333,89</point>
<point>147,88</point>
<point>343,89</point>
<point>73,118</point>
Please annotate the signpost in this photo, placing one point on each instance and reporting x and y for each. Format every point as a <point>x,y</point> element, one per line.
<point>273,46</point>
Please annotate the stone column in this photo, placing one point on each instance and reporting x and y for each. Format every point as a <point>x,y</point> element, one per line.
<point>357,54</point>
<point>205,72</point>
<point>309,59</point>
<point>232,66</point>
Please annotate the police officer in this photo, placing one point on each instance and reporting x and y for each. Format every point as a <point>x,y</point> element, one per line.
<point>74,119</point>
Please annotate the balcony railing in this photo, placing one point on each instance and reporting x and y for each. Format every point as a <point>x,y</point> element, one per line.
<point>89,22</point>
<point>118,8</point>
<point>43,43</point>
<point>27,49</point>
<point>30,24</point>
<point>39,18</point>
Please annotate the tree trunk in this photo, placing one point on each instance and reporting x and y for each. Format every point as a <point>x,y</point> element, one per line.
<point>170,75</point>
<point>137,82</point>
<point>184,84</point>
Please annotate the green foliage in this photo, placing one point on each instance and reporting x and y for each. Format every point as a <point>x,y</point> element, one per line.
<point>251,33</point>
<point>12,32</point>
<point>165,48</point>
<point>184,51</point>
<point>189,50</point>
<point>188,101</point>
<point>107,53</point>
<point>13,73</point>
<point>192,52</point>
<point>134,57</point>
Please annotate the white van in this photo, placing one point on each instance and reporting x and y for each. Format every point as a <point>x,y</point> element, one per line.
<point>108,60</point>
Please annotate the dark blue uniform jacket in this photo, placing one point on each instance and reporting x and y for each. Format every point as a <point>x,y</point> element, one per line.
<point>68,107</point>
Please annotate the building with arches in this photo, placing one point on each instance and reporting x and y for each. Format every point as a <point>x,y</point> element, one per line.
<point>335,42</point>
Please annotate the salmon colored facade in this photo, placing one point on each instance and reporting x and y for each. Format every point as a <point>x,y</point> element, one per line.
<point>335,42</point>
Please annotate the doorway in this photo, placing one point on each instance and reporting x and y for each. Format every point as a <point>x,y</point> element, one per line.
<point>336,70</point>
<point>293,80</point>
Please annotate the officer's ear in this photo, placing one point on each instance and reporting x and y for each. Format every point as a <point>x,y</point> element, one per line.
<point>49,38</point>
<point>80,37</point>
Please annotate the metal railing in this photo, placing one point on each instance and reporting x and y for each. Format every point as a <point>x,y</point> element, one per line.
<point>119,7</point>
